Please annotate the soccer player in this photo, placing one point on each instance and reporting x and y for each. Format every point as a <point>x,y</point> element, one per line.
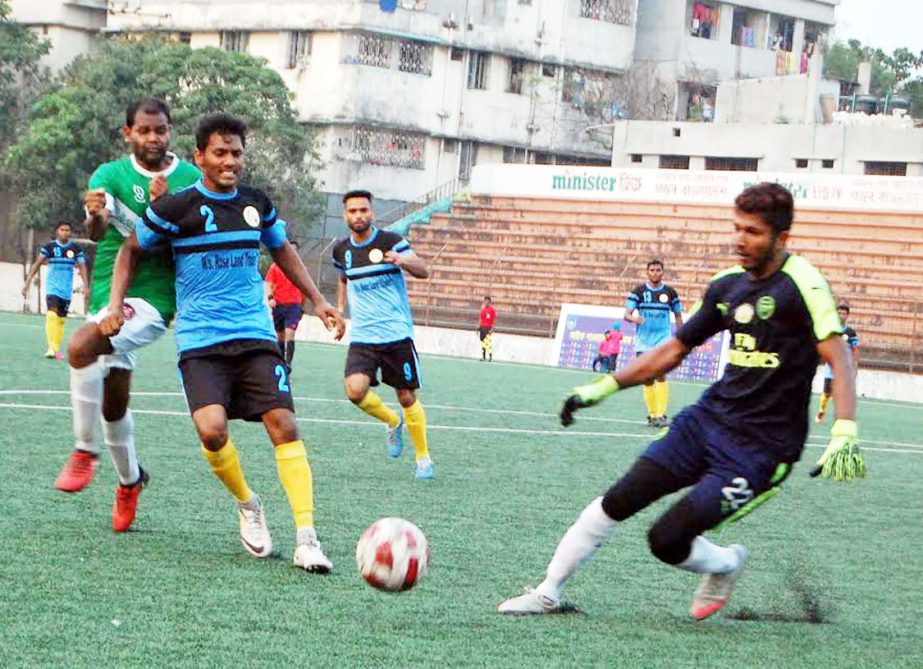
<point>229,362</point>
<point>649,306</point>
<point>101,365</point>
<point>61,255</point>
<point>737,444</point>
<point>852,345</point>
<point>486,319</point>
<point>285,301</point>
<point>372,263</point>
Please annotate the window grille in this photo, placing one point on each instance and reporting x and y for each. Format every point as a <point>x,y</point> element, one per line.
<point>396,148</point>
<point>610,11</point>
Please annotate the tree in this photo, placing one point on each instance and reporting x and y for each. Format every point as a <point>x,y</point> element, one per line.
<point>894,73</point>
<point>20,73</point>
<point>75,127</point>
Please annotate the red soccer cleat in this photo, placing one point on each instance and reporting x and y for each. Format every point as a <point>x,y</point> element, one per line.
<point>126,503</point>
<point>77,472</point>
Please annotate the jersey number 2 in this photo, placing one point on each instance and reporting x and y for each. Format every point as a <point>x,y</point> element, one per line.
<point>209,215</point>
<point>283,379</point>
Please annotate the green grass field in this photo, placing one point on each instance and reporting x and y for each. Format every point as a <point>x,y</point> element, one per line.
<point>180,591</point>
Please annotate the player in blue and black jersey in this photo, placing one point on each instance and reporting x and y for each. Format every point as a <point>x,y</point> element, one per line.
<point>372,263</point>
<point>852,344</point>
<point>649,306</point>
<point>736,445</point>
<point>230,363</point>
<point>62,256</point>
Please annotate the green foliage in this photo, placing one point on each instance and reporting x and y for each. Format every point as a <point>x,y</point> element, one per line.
<point>20,73</point>
<point>76,126</point>
<point>899,72</point>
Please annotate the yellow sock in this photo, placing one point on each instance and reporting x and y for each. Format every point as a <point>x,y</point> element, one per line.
<point>374,407</point>
<point>51,328</point>
<point>295,475</point>
<point>489,345</point>
<point>824,399</point>
<point>650,399</point>
<point>415,420</point>
<point>59,332</point>
<point>226,466</point>
<point>663,397</point>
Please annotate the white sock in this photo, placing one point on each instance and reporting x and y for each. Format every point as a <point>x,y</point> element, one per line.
<point>86,400</point>
<point>578,545</point>
<point>708,558</point>
<point>120,438</point>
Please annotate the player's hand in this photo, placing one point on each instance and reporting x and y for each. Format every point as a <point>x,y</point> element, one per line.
<point>842,460</point>
<point>94,201</point>
<point>157,187</point>
<point>25,290</point>
<point>393,258</point>
<point>272,303</point>
<point>332,319</point>
<point>586,396</point>
<point>111,325</point>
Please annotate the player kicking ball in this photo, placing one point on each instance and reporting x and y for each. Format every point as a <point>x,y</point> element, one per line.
<point>229,361</point>
<point>737,444</point>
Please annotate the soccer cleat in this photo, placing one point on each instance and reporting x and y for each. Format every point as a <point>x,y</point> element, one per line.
<point>125,505</point>
<point>58,356</point>
<point>396,440</point>
<point>50,353</point>
<point>530,603</point>
<point>254,532</point>
<point>424,469</point>
<point>715,590</point>
<point>309,555</point>
<point>77,472</point>
<point>819,418</point>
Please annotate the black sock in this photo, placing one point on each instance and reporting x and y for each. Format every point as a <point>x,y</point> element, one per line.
<point>289,352</point>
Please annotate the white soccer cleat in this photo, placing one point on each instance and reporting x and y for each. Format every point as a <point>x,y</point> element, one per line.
<point>254,532</point>
<point>715,590</point>
<point>530,603</point>
<point>309,555</point>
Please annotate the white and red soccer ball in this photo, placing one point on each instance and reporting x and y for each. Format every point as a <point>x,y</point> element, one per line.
<point>392,554</point>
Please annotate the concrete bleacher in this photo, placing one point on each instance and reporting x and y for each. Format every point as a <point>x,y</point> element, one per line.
<point>533,254</point>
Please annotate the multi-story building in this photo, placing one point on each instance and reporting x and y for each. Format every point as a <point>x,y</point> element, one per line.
<point>71,26</point>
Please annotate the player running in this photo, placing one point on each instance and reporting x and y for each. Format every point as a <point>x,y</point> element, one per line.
<point>229,362</point>
<point>649,306</point>
<point>852,345</point>
<point>372,263</point>
<point>101,365</point>
<point>487,317</point>
<point>61,255</point>
<point>737,444</point>
<point>285,301</point>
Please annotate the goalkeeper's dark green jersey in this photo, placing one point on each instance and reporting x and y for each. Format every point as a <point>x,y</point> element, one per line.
<point>775,325</point>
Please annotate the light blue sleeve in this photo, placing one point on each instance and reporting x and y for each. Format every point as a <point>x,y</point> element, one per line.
<point>148,238</point>
<point>273,236</point>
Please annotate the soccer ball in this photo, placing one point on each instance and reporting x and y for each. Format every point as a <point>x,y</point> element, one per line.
<point>392,554</point>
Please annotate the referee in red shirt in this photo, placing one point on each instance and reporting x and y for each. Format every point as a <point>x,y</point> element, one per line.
<point>285,300</point>
<point>486,320</point>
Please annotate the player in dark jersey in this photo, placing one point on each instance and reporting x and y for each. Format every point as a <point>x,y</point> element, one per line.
<point>649,306</point>
<point>372,263</point>
<point>62,256</point>
<point>852,344</point>
<point>736,445</point>
<point>230,363</point>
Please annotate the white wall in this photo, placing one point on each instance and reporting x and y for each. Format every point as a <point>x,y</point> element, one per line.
<point>72,28</point>
<point>765,100</point>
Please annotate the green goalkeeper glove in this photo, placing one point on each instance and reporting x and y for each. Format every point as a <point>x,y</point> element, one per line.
<point>586,396</point>
<point>841,460</point>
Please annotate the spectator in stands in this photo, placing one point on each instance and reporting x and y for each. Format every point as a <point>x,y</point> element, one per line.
<point>486,319</point>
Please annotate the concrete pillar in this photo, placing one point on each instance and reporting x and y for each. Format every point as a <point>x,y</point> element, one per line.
<point>798,44</point>
<point>812,101</point>
<point>865,78</point>
<point>726,23</point>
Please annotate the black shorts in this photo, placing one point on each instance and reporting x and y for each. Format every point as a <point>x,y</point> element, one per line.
<point>58,305</point>
<point>828,386</point>
<point>483,333</point>
<point>247,377</point>
<point>286,316</point>
<point>400,367</point>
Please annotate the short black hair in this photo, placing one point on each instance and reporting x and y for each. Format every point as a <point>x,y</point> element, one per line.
<point>60,223</point>
<point>357,193</point>
<point>771,202</point>
<point>149,105</point>
<point>221,123</point>
<point>654,261</point>
<point>843,306</point>
<point>487,297</point>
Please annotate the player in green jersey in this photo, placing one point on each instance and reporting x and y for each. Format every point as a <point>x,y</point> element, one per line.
<point>119,192</point>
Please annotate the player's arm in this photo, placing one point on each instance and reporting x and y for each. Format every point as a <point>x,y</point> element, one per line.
<point>410,262</point>
<point>341,294</point>
<point>36,266</point>
<point>269,288</point>
<point>677,309</point>
<point>84,278</point>
<point>290,263</point>
<point>97,214</point>
<point>834,352</point>
<point>632,315</point>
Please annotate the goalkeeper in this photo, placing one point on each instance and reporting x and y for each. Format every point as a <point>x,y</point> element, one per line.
<point>736,445</point>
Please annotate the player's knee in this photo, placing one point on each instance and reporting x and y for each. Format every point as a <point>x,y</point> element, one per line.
<point>666,544</point>
<point>615,504</point>
<point>355,392</point>
<point>281,426</point>
<point>214,435</point>
<point>406,397</point>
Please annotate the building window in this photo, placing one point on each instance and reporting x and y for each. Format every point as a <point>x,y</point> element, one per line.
<point>395,148</point>
<point>478,62</point>
<point>184,38</point>
<point>674,162</point>
<point>374,50</point>
<point>887,169</point>
<point>457,53</point>
<point>610,11</point>
<point>801,163</point>
<point>234,40</point>
<point>416,58</point>
<point>467,160</point>
<point>511,154</point>
<point>593,92</point>
<point>747,27</point>
<point>517,76</point>
<point>637,158</point>
<point>549,70</point>
<point>781,34</point>
<point>732,164</point>
<point>703,19</point>
<point>299,48</point>
<point>449,145</point>
<point>827,163</point>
